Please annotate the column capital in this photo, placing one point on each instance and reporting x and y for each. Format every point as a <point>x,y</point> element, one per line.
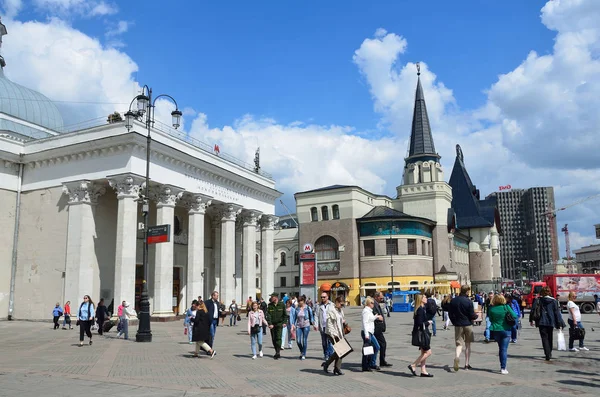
<point>83,191</point>
<point>126,185</point>
<point>196,203</point>
<point>228,212</point>
<point>166,195</point>
<point>268,221</point>
<point>250,217</point>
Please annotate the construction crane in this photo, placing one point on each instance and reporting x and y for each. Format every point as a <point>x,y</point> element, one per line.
<point>550,214</point>
<point>565,230</point>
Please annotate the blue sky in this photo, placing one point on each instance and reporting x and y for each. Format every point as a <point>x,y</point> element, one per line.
<point>512,82</point>
<point>293,60</point>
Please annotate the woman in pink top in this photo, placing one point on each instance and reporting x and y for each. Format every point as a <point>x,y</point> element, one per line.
<point>67,314</point>
<point>256,319</point>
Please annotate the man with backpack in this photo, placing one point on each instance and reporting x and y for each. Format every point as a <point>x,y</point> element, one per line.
<point>431,310</point>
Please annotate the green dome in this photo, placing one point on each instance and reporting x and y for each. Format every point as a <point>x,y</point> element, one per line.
<point>27,105</point>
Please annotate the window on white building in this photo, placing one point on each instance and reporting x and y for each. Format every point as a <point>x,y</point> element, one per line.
<point>325,213</point>
<point>335,209</point>
<point>369,247</point>
<point>314,215</point>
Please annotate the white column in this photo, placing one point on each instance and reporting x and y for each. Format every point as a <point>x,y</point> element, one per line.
<point>249,220</point>
<point>238,261</point>
<point>166,196</point>
<point>127,187</point>
<point>267,255</point>
<point>81,262</point>
<point>228,214</point>
<point>197,204</point>
<point>215,270</point>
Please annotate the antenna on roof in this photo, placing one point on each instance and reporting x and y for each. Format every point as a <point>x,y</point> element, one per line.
<point>418,69</point>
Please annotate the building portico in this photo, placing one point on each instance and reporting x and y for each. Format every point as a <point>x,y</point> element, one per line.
<point>199,194</point>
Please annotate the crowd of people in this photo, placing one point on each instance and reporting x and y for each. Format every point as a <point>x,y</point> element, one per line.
<point>291,319</point>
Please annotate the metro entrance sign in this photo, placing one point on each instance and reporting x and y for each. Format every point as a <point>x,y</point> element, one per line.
<point>159,234</point>
<point>308,273</point>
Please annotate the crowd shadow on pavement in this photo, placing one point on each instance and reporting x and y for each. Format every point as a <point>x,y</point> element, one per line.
<point>572,382</point>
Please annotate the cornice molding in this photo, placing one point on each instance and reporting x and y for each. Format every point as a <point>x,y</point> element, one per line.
<point>211,183</point>
<point>83,192</point>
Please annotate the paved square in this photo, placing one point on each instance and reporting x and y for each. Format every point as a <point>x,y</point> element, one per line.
<point>38,361</point>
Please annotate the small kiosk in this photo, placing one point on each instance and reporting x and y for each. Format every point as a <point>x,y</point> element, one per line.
<point>403,300</point>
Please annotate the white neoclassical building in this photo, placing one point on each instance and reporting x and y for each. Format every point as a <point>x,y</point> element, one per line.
<point>71,218</point>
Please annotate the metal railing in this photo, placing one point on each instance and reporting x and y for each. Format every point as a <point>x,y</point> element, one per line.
<point>97,122</point>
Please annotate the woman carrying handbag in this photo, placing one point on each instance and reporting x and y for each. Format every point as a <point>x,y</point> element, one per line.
<point>503,320</point>
<point>421,337</point>
<point>335,333</point>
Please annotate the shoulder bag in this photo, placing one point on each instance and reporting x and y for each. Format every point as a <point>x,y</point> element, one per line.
<point>508,317</point>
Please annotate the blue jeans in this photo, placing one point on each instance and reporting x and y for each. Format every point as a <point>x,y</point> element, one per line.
<point>514,332</point>
<point>254,339</point>
<point>302,339</point>
<point>488,324</point>
<point>190,329</point>
<point>213,331</point>
<point>572,325</point>
<point>503,339</point>
<point>327,346</point>
<point>370,361</point>
<point>433,327</point>
<point>233,319</point>
<point>124,328</point>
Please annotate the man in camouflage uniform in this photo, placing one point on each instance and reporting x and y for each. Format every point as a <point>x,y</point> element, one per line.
<point>277,318</point>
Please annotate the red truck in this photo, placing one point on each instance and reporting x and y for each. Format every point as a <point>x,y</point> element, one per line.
<point>585,287</point>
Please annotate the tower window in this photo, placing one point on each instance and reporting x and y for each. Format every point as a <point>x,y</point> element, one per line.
<point>325,213</point>
<point>314,216</point>
<point>335,209</point>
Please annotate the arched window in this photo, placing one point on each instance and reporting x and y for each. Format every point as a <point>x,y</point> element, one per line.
<point>335,209</point>
<point>314,216</point>
<point>325,213</point>
<point>296,258</point>
<point>282,262</point>
<point>257,261</point>
<point>327,248</point>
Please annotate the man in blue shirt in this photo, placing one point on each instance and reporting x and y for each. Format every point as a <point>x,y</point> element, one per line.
<point>56,313</point>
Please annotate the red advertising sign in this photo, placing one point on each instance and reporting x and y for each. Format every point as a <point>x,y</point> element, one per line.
<point>507,187</point>
<point>308,272</point>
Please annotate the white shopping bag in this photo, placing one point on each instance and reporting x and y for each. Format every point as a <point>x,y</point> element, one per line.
<point>560,339</point>
<point>368,350</point>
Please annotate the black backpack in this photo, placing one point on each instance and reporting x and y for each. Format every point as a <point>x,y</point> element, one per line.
<point>431,307</point>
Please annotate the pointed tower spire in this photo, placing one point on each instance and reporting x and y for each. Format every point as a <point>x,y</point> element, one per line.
<point>421,142</point>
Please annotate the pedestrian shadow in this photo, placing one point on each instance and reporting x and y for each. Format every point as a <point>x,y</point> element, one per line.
<point>574,372</point>
<point>317,371</point>
<point>578,383</point>
<point>400,374</point>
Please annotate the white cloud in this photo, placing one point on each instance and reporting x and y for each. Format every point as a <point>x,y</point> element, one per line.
<point>66,8</point>
<point>117,29</point>
<point>67,65</point>
<point>11,7</point>
<point>303,157</point>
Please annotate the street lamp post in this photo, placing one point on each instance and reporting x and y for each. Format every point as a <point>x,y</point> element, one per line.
<point>146,106</point>
<point>391,257</point>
